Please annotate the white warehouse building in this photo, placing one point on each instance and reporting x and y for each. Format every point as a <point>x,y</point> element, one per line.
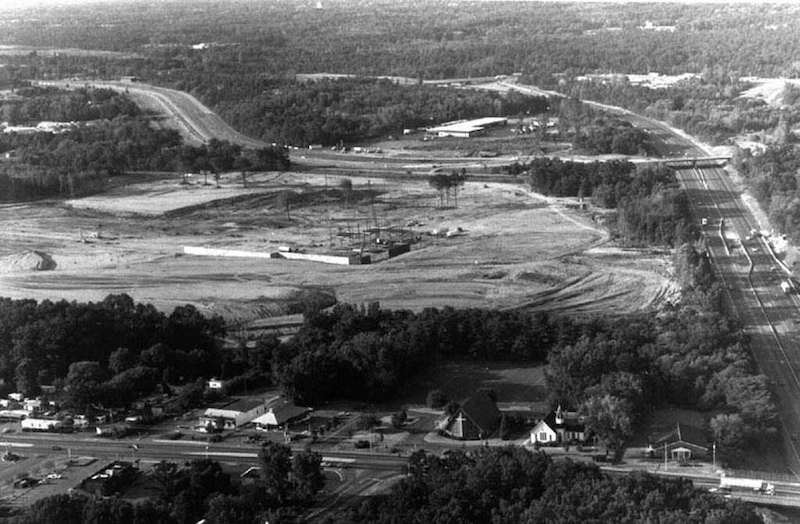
<point>467,128</point>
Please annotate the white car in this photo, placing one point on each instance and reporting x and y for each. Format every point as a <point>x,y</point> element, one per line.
<point>54,476</point>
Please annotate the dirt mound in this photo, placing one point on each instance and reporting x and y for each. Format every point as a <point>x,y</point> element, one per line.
<point>27,261</point>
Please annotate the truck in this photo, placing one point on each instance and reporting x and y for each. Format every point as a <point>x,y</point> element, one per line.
<point>786,286</point>
<point>739,483</point>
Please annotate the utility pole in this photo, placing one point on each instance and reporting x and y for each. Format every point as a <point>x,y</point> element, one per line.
<point>714,454</point>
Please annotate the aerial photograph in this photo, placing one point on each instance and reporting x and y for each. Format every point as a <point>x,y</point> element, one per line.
<point>399,261</point>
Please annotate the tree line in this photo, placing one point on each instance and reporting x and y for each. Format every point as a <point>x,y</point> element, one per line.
<point>82,160</point>
<point>651,208</point>
<point>346,110</point>
<point>35,104</point>
<point>772,177</point>
<point>515,485</point>
<point>106,353</point>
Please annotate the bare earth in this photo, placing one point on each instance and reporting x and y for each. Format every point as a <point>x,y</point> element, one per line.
<point>518,249</point>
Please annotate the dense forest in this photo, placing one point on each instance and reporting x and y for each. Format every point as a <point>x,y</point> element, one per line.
<point>515,485</point>
<point>109,352</point>
<point>707,107</point>
<point>651,208</point>
<point>198,490</point>
<point>430,39</point>
<point>772,177</point>
<point>31,105</point>
<point>330,111</point>
<point>244,64</point>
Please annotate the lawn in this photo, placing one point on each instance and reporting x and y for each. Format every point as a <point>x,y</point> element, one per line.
<point>513,383</point>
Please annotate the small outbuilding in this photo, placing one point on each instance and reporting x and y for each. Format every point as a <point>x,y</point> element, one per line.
<point>684,443</point>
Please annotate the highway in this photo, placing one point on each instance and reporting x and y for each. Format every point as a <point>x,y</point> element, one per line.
<point>156,450</point>
<point>746,266</point>
<point>752,277</point>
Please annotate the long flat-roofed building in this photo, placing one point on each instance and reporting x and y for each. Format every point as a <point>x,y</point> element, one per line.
<point>233,414</point>
<point>467,128</point>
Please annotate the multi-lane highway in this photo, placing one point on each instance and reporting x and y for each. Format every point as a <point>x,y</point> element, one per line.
<point>150,450</point>
<point>753,276</point>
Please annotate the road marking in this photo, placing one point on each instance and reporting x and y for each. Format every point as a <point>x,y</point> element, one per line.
<point>179,442</point>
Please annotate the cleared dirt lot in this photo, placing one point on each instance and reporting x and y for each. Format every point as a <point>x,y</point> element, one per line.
<point>517,249</point>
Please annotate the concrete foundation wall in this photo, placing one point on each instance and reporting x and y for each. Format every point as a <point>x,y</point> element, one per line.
<point>212,252</point>
<point>313,257</point>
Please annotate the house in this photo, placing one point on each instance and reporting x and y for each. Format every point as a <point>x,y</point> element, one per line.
<point>32,404</point>
<point>233,414</point>
<point>113,478</point>
<point>279,413</point>
<point>559,426</point>
<point>476,418</point>
<point>683,443</point>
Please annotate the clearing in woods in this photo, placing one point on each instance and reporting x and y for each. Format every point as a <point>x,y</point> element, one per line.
<point>515,248</point>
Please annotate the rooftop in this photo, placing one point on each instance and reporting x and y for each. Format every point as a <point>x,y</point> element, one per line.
<point>467,126</point>
<point>240,404</point>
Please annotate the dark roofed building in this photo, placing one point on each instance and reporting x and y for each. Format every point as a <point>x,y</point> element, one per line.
<point>279,413</point>
<point>477,418</point>
<point>683,443</point>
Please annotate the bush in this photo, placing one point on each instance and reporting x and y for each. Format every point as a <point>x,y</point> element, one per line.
<point>399,418</point>
<point>436,399</point>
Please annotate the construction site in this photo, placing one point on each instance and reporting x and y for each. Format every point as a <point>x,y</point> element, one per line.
<point>290,239</point>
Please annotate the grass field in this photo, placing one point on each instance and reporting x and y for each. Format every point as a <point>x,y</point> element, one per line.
<point>515,384</point>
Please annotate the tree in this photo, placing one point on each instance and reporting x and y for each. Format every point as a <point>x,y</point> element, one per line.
<point>399,418</point>
<point>609,418</point>
<point>83,384</point>
<point>60,508</point>
<point>243,165</point>
<point>276,464</point>
<point>457,180</point>
<point>346,187</point>
<point>307,478</point>
<point>436,398</point>
<point>26,378</point>
<point>730,433</point>
<point>225,509</point>
<point>283,200</point>
<point>121,359</point>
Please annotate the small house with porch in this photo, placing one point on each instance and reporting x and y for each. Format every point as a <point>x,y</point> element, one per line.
<point>684,443</point>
